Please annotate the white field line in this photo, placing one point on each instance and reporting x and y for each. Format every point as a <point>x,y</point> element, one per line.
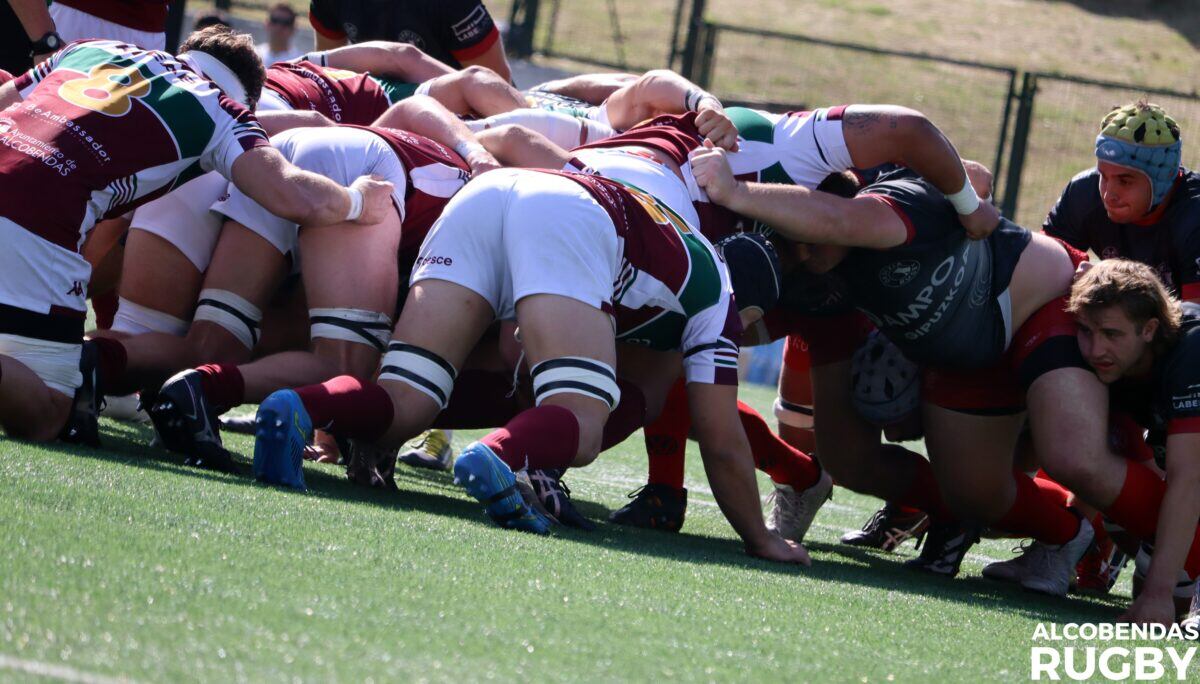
<point>59,672</point>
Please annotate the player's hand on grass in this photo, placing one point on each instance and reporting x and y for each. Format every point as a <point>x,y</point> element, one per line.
<point>713,173</point>
<point>377,198</point>
<point>776,548</point>
<point>1151,608</point>
<point>980,223</point>
<point>716,126</point>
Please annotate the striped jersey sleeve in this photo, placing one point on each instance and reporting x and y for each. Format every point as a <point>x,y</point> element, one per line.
<point>709,344</point>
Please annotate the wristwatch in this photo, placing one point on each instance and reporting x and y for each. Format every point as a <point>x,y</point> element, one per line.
<point>51,42</point>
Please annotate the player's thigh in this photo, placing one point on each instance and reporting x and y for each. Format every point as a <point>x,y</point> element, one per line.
<point>246,264</point>
<point>352,266</point>
<point>1068,418</point>
<point>158,276</point>
<point>38,386</point>
<point>972,456</point>
<point>654,373</point>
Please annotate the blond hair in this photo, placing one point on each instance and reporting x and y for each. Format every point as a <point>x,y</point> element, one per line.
<point>1133,286</point>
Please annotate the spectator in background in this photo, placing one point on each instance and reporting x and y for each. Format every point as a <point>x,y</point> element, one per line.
<point>459,33</point>
<point>137,22</point>
<point>281,27</point>
<point>211,18</point>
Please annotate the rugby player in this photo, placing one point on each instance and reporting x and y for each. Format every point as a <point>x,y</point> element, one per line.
<point>912,268</point>
<point>612,252</point>
<point>1146,347</point>
<point>67,128</point>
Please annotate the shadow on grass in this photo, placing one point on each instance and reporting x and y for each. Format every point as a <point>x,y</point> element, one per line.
<point>1179,15</point>
<point>128,445</point>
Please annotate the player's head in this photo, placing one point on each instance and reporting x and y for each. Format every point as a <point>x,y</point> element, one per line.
<point>1126,317</point>
<point>229,60</point>
<point>755,274</point>
<point>281,23</point>
<point>1138,154</point>
<point>824,258</point>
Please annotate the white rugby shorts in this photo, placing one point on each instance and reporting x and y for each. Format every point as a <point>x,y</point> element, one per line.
<point>56,363</point>
<point>183,217</point>
<point>512,233</point>
<point>339,154</point>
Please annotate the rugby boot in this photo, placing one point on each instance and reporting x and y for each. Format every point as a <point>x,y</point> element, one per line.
<point>1014,569</point>
<point>553,498</point>
<point>430,449</point>
<point>791,512</point>
<point>888,528</point>
<point>187,424</point>
<point>943,547</point>
<point>283,430</point>
<point>654,507</point>
<point>487,478</point>
<point>1051,567</point>
<point>83,422</point>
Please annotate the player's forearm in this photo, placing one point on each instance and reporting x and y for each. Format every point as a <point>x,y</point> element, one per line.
<point>795,212</point>
<point>657,92</point>
<point>9,95</point>
<point>34,16</point>
<point>382,58</point>
<point>1177,520</point>
<point>277,122</point>
<point>731,476</point>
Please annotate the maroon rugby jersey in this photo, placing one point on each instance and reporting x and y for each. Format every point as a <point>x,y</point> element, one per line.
<point>341,96</point>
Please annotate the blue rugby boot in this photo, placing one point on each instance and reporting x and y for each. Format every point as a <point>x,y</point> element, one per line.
<point>481,472</point>
<point>282,430</point>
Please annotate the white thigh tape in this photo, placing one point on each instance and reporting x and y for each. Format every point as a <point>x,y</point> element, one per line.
<point>232,312</point>
<point>351,325</point>
<point>793,415</point>
<point>577,375</point>
<point>136,319</point>
<point>421,369</point>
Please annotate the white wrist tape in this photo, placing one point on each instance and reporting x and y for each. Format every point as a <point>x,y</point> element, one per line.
<point>965,201</point>
<point>356,204</point>
<point>465,148</point>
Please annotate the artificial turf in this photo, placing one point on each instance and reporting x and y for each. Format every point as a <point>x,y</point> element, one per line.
<point>123,563</point>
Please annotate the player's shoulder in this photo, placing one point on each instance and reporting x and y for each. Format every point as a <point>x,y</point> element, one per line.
<point>1183,361</point>
<point>1083,186</point>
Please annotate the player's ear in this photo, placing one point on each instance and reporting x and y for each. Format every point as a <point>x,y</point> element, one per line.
<point>1149,330</point>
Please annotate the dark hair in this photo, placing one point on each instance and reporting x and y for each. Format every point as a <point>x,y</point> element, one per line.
<point>1133,286</point>
<point>210,18</point>
<point>234,50</point>
<point>284,8</point>
<point>844,184</point>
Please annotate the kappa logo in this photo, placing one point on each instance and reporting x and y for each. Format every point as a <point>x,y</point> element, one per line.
<point>899,273</point>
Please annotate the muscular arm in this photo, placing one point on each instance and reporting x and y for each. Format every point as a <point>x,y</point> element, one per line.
<point>519,146</point>
<point>34,16</point>
<point>382,58</point>
<point>1177,519</point>
<point>730,468</point>
<point>426,116</point>
<point>882,134</point>
<point>665,92</point>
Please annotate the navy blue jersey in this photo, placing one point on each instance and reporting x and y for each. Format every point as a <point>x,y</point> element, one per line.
<point>937,295</point>
<point>1171,246</point>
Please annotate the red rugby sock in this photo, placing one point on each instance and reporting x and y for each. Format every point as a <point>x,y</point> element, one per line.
<point>538,438</point>
<point>666,439</point>
<point>112,360</point>
<point>775,457</point>
<point>348,407</point>
<point>1136,507</point>
<point>1038,512</point>
<point>923,493</point>
<point>105,308</point>
<point>223,385</point>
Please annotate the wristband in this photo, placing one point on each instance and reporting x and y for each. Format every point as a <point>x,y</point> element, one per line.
<point>317,58</point>
<point>356,205</point>
<point>965,201</point>
<point>693,98</point>
<point>465,148</point>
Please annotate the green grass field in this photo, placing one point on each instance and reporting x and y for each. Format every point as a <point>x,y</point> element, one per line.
<point>126,564</point>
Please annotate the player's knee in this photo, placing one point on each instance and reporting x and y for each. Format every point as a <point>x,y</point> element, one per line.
<point>135,319</point>
<point>231,312</point>
<point>357,326</point>
<point>417,379</point>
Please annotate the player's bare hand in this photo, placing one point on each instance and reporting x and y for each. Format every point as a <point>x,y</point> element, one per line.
<point>1151,608</point>
<point>715,125</point>
<point>377,198</point>
<point>980,176</point>
<point>482,161</point>
<point>712,172</point>
<point>980,223</point>
<point>776,548</point>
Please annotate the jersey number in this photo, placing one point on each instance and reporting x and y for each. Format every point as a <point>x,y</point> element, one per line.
<point>107,89</point>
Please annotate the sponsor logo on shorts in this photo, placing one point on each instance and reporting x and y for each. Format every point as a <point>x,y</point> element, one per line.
<point>435,261</point>
<point>899,273</point>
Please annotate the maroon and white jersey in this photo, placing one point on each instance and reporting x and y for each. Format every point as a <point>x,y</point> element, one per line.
<point>673,293</point>
<point>103,127</point>
<point>339,95</point>
<point>435,174</point>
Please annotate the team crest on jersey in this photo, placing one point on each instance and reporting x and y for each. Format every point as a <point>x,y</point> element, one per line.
<point>412,38</point>
<point>899,273</point>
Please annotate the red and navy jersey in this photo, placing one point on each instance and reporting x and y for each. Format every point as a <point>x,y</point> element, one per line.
<point>1171,246</point>
<point>339,95</point>
<point>450,31</point>
<point>435,174</point>
<point>673,293</point>
<point>139,15</point>
<point>1169,402</point>
<point>935,295</point>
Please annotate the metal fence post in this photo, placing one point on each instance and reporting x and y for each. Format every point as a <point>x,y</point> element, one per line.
<point>1020,143</point>
<point>175,18</point>
<point>522,23</point>
<point>692,46</point>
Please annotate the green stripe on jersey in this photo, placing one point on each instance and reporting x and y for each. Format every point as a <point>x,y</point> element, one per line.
<point>183,114</point>
<point>83,58</point>
<point>395,90</point>
<point>703,286</point>
<point>752,124</point>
